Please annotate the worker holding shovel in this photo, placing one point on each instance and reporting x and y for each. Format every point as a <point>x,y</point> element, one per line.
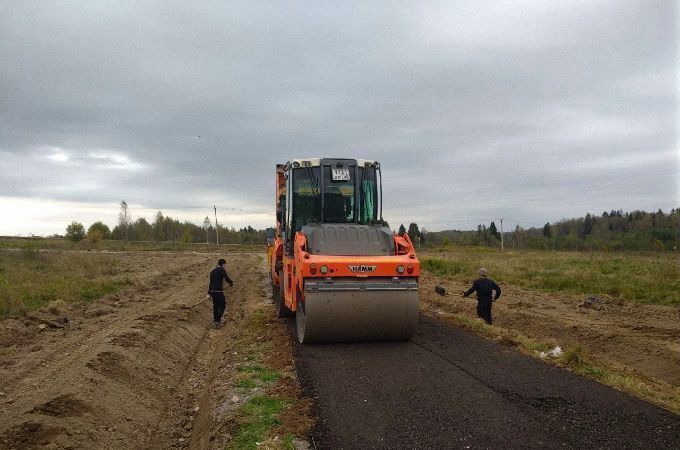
<point>484,286</point>
<point>216,291</point>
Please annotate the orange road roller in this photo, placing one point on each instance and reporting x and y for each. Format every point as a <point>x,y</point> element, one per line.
<point>334,262</point>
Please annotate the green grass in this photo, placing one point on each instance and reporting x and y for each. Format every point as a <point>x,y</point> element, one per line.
<point>30,279</point>
<point>288,441</point>
<point>641,277</point>
<point>260,414</point>
<point>254,376</point>
<point>259,417</point>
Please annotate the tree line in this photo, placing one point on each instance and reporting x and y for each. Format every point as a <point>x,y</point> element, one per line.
<point>163,229</point>
<point>613,230</point>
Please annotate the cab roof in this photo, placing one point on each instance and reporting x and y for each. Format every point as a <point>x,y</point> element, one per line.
<point>316,162</point>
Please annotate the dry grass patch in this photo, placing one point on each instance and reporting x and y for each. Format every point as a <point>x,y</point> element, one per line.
<point>30,279</point>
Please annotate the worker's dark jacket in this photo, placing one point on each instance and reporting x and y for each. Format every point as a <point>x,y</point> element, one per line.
<point>484,288</point>
<point>216,276</point>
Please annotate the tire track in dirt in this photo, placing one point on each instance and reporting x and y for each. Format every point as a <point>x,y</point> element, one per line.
<point>121,372</point>
<point>81,348</point>
<point>188,420</point>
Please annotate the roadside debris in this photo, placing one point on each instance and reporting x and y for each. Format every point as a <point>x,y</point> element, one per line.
<point>554,353</point>
<point>58,307</point>
<point>301,444</point>
<point>60,322</point>
<point>441,291</point>
<point>592,303</point>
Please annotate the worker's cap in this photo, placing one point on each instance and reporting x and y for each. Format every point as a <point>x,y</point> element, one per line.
<point>221,261</point>
<point>483,272</point>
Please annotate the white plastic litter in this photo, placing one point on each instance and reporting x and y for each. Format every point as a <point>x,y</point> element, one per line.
<point>556,352</point>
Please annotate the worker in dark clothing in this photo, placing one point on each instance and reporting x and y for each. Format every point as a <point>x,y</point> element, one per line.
<point>484,287</point>
<point>216,291</point>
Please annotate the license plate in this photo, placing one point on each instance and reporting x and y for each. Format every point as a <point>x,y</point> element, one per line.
<point>340,174</point>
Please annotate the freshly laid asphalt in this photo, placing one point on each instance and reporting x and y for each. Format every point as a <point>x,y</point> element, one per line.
<point>449,388</point>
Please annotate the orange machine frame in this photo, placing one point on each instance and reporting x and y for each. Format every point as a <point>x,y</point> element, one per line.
<point>305,265</point>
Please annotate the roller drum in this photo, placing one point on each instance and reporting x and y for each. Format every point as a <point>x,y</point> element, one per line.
<point>353,310</point>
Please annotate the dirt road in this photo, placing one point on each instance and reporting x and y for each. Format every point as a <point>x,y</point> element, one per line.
<point>136,369</point>
<point>448,388</point>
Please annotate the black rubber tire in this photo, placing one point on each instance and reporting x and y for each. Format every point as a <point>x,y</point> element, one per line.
<point>300,323</point>
<point>275,291</point>
<point>281,309</point>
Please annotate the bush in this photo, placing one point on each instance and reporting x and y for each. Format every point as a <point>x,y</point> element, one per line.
<point>658,245</point>
<point>75,232</point>
<point>574,357</point>
<point>95,235</point>
<point>101,228</point>
<point>443,267</point>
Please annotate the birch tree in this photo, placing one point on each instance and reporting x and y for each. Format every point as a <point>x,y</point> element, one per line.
<point>124,217</point>
<point>206,226</point>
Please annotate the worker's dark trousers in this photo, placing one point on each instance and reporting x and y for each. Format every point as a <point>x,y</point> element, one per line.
<point>219,305</point>
<point>484,311</point>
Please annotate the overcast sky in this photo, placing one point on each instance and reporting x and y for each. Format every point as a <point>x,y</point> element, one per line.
<point>528,110</point>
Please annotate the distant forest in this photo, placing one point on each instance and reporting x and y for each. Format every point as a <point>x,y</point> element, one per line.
<point>164,229</point>
<point>615,230</point>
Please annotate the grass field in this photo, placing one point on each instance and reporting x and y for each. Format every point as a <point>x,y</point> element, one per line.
<point>111,245</point>
<point>642,277</point>
<point>37,271</point>
<point>30,279</point>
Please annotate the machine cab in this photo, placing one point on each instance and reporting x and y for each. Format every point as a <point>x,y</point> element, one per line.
<point>328,191</point>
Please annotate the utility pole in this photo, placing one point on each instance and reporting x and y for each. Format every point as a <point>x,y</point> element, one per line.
<point>501,234</point>
<point>217,228</point>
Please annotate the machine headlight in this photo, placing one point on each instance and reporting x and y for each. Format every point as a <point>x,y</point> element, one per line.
<point>400,269</point>
<point>323,269</point>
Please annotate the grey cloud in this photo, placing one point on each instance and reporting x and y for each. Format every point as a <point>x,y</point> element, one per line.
<point>475,111</point>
